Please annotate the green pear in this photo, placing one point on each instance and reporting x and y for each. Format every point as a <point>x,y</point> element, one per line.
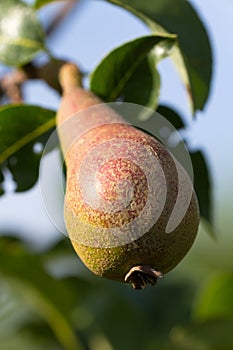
<point>130,208</point>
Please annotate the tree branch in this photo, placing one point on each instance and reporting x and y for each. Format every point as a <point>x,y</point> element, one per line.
<point>11,85</point>
<point>68,6</point>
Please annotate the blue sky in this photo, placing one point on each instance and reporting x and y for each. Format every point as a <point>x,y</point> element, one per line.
<point>78,38</point>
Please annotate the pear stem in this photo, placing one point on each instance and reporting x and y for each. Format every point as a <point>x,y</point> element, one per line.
<point>140,276</point>
<point>69,77</point>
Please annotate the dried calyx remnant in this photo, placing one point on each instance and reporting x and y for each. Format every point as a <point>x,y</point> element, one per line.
<point>140,276</point>
<point>122,190</point>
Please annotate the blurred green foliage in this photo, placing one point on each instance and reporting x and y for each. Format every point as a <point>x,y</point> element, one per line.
<point>48,299</point>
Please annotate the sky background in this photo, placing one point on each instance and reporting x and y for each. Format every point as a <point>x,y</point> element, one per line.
<point>88,34</point>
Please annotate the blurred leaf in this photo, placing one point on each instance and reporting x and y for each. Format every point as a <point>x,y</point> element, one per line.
<point>26,340</point>
<point>171,115</point>
<point>52,299</point>
<point>38,333</point>
<point>209,335</point>
<point>40,3</point>
<point>202,184</point>
<point>120,66</point>
<point>13,312</point>
<point>16,324</point>
<point>21,35</point>
<point>193,58</point>
<point>215,299</point>
<point>60,247</point>
<point>1,182</point>
<point>24,131</point>
<point>147,320</point>
<point>207,227</point>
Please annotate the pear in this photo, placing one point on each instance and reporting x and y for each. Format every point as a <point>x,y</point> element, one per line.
<point>130,208</point>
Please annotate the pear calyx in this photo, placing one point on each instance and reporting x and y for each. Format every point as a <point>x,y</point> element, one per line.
<point>140,276</point>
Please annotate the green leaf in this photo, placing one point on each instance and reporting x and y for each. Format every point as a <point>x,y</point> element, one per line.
<point>24,165</point>
<point>209,335</point>
<point>129,68</point>
<point>202,184</point>
<point>143,86</point>
<point>52,299</point>
<point>21,124</point>
<point>215,298</point>
<point>193,57</point>
<point>21,35</point>
<point>172,116</point>
<point>40,3</point>
<point>24,131</point>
